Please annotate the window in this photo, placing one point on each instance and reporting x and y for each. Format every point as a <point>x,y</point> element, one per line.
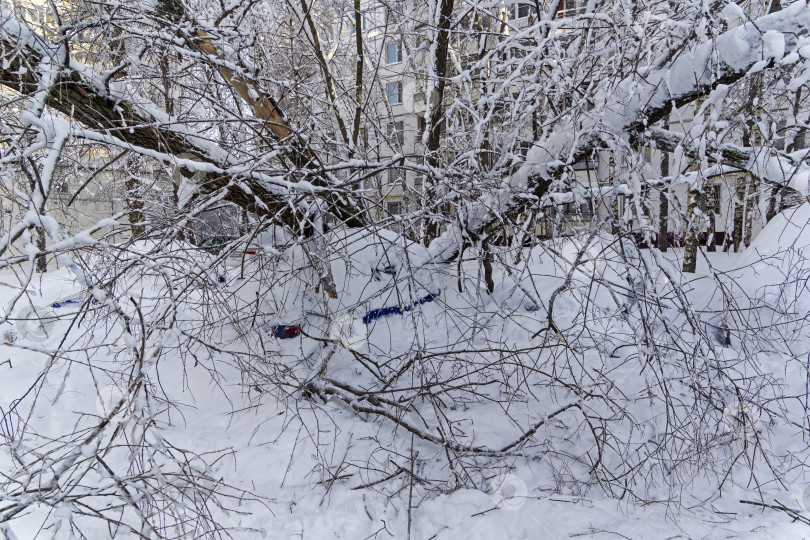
<point>779,135</point>
<point>569,8</point>
<point>703,202</point>
<point>567,101</point>
<point>578,206</point>
<point>396,134</point>
<point>421,126</point>
<point>363,23</point>
<point>716,199</point>
<point>468,62</point>
<point>419,179</point>
<point>393,52</point>
<point>167,201</point>
<point>800,142</point>
<point>584,164</point>
<point>394,207</point>
<point>394,176</point>
<point>525,9</point>
<point>518,52</point>
<point>499,111</point>
<point>523,148</point>
<point>394,91</point>
<point>710,201</point>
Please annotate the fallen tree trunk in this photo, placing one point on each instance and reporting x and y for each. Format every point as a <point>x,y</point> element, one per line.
<point>86,97</point>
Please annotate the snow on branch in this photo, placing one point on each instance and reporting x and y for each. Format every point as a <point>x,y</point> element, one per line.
<point>775,167</point>
<point>625,108</point>
<point>137,124</point>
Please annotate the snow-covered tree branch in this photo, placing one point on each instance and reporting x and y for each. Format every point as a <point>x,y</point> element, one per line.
<point>297,268</point>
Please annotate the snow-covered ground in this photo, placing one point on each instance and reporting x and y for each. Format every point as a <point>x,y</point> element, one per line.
<point>196,408</point>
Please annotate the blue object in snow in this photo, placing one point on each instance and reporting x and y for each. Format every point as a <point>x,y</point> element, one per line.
<point>63,303</point>
<point>69,300</point>
<point>375,314</point>
<point>286,331</point>
<point>215,283</point>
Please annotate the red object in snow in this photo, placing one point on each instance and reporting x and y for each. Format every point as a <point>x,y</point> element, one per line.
<point>286,331</point>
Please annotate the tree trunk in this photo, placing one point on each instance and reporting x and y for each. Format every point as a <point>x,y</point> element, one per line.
<point>135,206</point>
<point>739,212</point>
<point>742,212</point>
<point>776,191</point>
<point>663,204</point>
<point>692,231</point>
<point>616,208</point>
<point>751,208</point>
<point>711,243</point>
<point>436,111</point>
<point>487,262</point>
<point>663,220</point>
<point>774,203</point>
<point>41,262</point>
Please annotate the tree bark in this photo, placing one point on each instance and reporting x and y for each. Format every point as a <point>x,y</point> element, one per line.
<point>776,192</point>
<point>82,95</point>
<point>663,220</point>
<point>742,211</point>
<point>692,231</point>
<point>41,260</point>
<point>487,262</point>
<point>739,211</point>
<point>135,206</point>
<point>774,203</point>
<point>663,203</point>
<point>435,110</point>
<point>751,207</point>
<point>711,243</point>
